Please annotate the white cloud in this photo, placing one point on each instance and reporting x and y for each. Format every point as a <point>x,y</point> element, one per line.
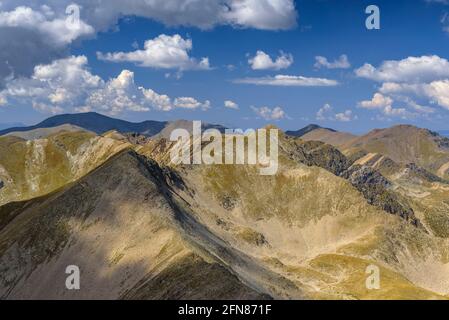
<point>321,115</point>
<point>385,105</point>
<point>341,63</point>
<point>117,95</point>
<point>67,85</point>
<point>262,61</point>
<point>231,105</point>
<point>410,70</point>
<point>39,27</point>
<point>413,81</point>
<point>32,34</point>
<point>269,114</point>
<point>61,82</point>
<point>158,101</point>
<point>3,100</point>
<point>46,108</point>
<point>57,29</point>
<point>438,91</point>
<point>345,116</point>
<point>162,52</point>
<point>286,80</point>
<point>326,113</point>
<point>261,14</point>
<point>191,103</point>
<point>378,101</point>
<point>204,14</point>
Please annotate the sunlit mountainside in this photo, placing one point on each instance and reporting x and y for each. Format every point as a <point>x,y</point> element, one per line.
<point>109,200</point>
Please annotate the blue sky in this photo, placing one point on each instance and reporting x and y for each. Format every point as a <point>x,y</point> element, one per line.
<point>413,88</point>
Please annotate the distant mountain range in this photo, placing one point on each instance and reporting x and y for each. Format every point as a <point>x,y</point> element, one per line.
<point>99,124</point>
<point>7,125</point>
<point>94,122</point>
<point>444,133</point>
<point>306,129</point>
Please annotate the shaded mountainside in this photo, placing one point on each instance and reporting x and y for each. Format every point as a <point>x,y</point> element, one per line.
<point>123,227</point>
<point>305,130</point>
<point>141,228</point>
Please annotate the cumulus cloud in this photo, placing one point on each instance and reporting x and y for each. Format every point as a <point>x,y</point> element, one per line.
<point>261,14</point>
<point>67,85</point>
<point>326,113</point>
<point>377,102</point>
<point>162,52</point>
<point>158,101</point>
<point>345,116</point>
<point>269,114</point>
<point>286,80</point>
<point>117,95</point>
<point>191,103</point>
<point>409,70</point>
<point>228,104</point>
<point>3,100</point>
<point>385,105</point>
<point>204,14</point>
<point>415,82</point>
<point>341,63</point>
<point>58,30</point>
<point>262,61</point>
<point>40,26</point>
<point>34,35</point>
<point>438,91</point>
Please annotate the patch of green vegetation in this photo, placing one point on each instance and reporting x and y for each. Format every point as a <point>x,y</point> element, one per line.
<point>350,273</point>
<point>438,221</point>
<point>71,141</point>
<point>252,237</point>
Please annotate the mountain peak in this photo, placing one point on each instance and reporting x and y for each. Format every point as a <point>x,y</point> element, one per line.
<point>307,129</point>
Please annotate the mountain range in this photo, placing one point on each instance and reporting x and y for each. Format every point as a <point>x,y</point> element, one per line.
<point>106,198</point>
<point>98,123</point>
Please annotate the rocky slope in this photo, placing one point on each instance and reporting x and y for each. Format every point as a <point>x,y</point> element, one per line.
<point>30,168</point>
<point>407,144</point>
<point>141,228</point>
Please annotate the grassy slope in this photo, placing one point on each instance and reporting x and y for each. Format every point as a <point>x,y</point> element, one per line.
<point>37,167</point>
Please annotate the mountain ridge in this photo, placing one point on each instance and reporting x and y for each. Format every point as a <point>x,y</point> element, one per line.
<point>94,122</point>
